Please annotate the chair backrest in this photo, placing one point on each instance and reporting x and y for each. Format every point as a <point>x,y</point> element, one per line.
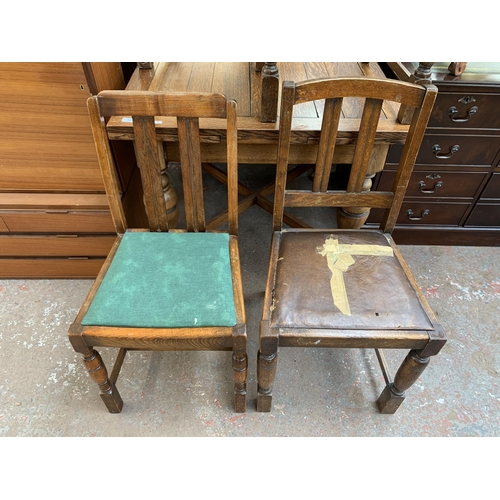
<point>143,107</point>
<point>333,91</point>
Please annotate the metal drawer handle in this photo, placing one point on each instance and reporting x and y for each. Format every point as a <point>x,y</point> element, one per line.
<point>409,214</point>
<point>453,111</point>
<point>422,185</point>
<point>436,149</point>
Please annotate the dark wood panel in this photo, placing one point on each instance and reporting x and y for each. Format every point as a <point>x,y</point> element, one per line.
<point>459,236</point>
<point>484,214</point>
<point>436,184</point>
<point>487,113</point>
<point>492,189</point>
<point>458,149</point>
<point>432,212</point>
<point>478,141</point>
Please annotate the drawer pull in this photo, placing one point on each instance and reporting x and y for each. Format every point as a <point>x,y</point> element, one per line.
<point>409,214</point>
<point>453,112</point>
<point>436,149</point>
<point>422,185</point>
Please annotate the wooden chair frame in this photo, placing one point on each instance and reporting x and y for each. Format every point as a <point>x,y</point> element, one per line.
<point>423,344</point>
<point>143,107</point>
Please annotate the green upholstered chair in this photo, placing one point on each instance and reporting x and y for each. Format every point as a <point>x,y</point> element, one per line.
<point>163,288</point>
<point>347,288</point>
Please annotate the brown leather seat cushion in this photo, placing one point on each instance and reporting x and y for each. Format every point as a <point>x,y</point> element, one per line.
<point>378,292</point>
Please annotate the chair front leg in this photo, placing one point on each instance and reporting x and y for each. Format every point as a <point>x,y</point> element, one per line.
<point>394,393</point>
<point>240,365</point>
<point>267,362</point>
<point>97,371</point>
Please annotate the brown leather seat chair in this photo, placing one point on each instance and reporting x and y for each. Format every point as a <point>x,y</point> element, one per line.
<point>346,288</point>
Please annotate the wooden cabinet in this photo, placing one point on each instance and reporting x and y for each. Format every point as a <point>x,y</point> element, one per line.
<point>54,216</point>
<point>453,197</point>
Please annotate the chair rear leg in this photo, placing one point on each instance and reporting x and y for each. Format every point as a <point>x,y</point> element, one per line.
<point>394,393</point>
<point>97,371</point>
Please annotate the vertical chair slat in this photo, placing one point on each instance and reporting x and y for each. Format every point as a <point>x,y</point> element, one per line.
<point>189,150</point>
<point>364,145</point>
<point>149,163</point>
<point>326,148</point>
<point>286,113</point>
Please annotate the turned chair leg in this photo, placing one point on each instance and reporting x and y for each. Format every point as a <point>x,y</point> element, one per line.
<point>394,393</point>
<point>240,365</point>
<point>97,371</point>
<point>266,372</point>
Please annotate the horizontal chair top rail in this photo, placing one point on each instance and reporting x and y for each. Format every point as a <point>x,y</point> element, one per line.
<point>388,90</point>
<point>145,103</point>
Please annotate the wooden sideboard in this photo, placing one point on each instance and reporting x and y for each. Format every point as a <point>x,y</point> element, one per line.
<point>54,216</point>
<point>454,193</point>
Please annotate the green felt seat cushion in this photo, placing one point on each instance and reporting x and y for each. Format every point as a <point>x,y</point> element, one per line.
<point>163,280</point>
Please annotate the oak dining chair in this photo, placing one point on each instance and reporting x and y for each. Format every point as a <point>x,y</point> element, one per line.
<point>348,288</point>
<point>164,289</point>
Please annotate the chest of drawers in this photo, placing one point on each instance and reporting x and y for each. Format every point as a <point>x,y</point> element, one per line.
<point>54,216</point>
<point>453,197</point>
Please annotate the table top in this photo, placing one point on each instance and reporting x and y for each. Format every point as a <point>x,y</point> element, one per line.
<point>240,81</point>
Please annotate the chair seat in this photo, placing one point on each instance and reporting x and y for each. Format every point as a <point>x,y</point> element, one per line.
<point>343,280</point>
<point>166,280</point>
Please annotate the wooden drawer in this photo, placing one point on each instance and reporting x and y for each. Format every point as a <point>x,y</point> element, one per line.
<point>466,110</point>
<point>492,189</point>
<point>436,184</point>
<point>54,246</point>
<point>426,213</point>
<point>50,268</point>
<point>58,223</point>
<point>484,214</point>
<point>453,150</point>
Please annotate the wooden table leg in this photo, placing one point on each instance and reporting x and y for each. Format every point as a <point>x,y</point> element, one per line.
<point>252,197</point>
<point>355,217</point>
<point>169,193</point>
